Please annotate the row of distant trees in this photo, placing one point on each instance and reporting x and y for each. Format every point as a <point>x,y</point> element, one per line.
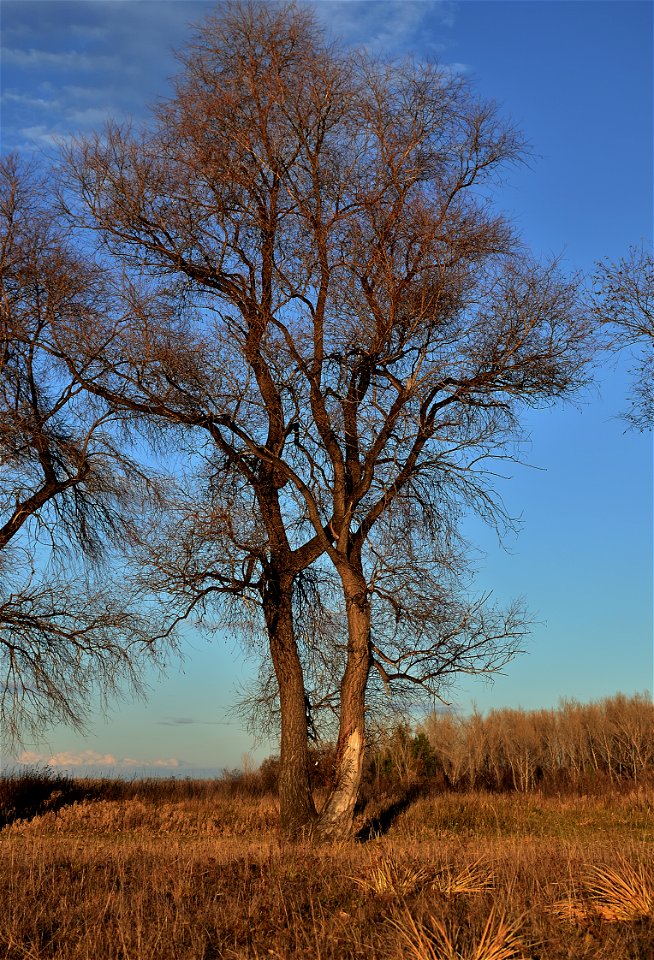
<point>576,746</point>
<point>257,360</point>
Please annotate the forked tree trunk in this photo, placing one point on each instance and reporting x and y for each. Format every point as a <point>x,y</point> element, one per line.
<point>297,809</point>
<point>335,819</point>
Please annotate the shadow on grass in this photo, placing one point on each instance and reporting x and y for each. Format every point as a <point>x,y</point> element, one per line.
<point>381,823</point>
<point>27,795</point>
<point>34,792</point>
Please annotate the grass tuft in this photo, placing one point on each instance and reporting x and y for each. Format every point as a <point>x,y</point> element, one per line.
<point>501,939</point>
<point>622,893</point>
<point>389,878</point>
<point>470,878</point>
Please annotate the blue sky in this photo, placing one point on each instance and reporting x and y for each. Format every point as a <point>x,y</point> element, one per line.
<point>576,77</point>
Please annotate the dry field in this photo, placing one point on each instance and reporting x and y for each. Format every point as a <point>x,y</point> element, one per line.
<point>196,870</point>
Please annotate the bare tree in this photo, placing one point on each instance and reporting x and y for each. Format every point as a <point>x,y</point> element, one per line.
<point>66,490</point>
<point>523,750</point>
<point>624,301</point>
<point>319,298</point>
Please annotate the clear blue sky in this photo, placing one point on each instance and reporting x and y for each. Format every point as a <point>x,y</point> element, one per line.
<point>576,77</point>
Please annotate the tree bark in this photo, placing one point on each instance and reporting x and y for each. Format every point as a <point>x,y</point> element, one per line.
<point>297,809</point>
<point>336,816</point>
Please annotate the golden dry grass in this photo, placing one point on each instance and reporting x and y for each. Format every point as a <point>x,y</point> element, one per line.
<point>386,876</point>
<point>470,878</point>
<point>436,940</point>
<point>200,875</point>
<point>624,892</point>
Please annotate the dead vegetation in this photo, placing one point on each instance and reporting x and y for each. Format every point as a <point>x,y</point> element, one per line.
<point>194,870</point>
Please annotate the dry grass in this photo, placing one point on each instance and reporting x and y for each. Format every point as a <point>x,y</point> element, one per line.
<point>624,892</point>
<point>470,878</point>
<point>500,940</point>
<point>386,877</point>
<point>617,894</point>
<point>198,873</point>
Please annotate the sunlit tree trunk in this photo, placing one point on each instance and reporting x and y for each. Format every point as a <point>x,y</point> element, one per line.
<point>335,820</point>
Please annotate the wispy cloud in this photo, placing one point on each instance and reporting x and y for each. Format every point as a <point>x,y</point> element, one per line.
<point>68,67</point>
<point>38,135</point>
<point>70,759</point>
<point>23,100</point>
<point>29,758</point>
<point>186,721</point>
<point>50,60</point>
<point>397,25</point>
<point>169,763</point>
<point>53,122</point>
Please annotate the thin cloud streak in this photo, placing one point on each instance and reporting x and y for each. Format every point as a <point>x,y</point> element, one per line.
<point>92,758</point>
<point>126,52</point>
<point>187,721</point>
<point>397,24</point>
<point>45,59</point>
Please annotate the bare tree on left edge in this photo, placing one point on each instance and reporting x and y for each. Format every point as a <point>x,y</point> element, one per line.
<point>69,494</point>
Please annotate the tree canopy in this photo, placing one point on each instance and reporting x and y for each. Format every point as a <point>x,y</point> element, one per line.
<point>306,289</point>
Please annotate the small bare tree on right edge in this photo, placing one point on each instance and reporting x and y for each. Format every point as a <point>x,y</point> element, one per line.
<point>624,303</point>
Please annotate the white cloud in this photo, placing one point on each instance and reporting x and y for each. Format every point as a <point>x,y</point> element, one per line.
<point>127,57</point>
<point>30,757</point>
<point>21,100</point>
<point>68,60</point>
<point>171,762</point>
<point>86,758</point>
<point>38,134</point>
<point>93,758</point>
<point>78,93</point>
<point>91,117</point>
<point>131,762</point>
<point>398,26</point>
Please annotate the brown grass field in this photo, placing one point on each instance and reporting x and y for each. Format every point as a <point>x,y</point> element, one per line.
<point>195,870</point>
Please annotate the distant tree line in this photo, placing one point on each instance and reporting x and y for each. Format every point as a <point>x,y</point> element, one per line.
<point>573,747</point>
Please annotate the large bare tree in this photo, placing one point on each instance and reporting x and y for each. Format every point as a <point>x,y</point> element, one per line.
<point>319,298</point>
<point>67,490</point>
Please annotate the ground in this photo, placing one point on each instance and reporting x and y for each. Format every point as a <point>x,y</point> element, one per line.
<point>196,870</point>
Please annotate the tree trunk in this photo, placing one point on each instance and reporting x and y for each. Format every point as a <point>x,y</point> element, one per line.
<point>335,820</point>
<point>297,809</point>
